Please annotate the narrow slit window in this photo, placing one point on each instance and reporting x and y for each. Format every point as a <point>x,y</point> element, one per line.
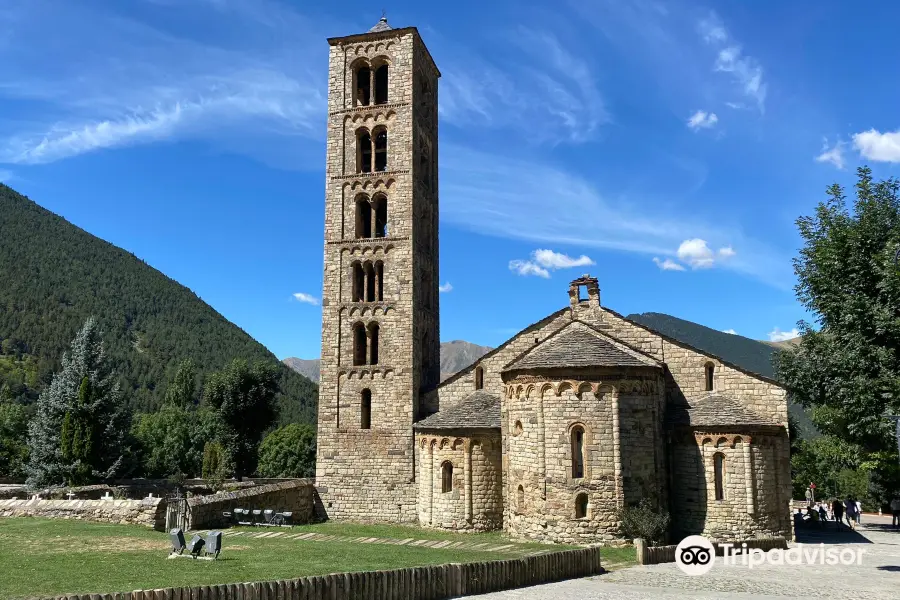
<point>359,344</point>
<point>446,477</point>
<point>379,281</point>
<point>577,452</point>
<point>581,506</point>
<point>381,141</point>
<point>370,282</point>
<point>365,409</point>
<point>363,218</point>
<point>373,342</point>
<point>719,475</point>
<point>381,217</point>
<point>520,499</point>
<point>710,372</point>
<point>359,282</point>
<point>381,85</point>
<point>363,86</point>
<point>479,378</point>
<point>365,152</point>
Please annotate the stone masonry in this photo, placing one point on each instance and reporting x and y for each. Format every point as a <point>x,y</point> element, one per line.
<point>149,512</point>
<point>380,337</point>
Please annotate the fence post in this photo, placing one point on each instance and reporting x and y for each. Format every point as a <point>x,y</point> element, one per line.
<point>641,547</point>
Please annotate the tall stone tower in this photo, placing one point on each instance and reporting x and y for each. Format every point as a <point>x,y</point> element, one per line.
<point>380,337</point>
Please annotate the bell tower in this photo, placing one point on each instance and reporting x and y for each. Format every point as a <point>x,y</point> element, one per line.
<point>380,336</point>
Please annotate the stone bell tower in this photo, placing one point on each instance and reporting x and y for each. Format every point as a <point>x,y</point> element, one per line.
<point>380,337</point>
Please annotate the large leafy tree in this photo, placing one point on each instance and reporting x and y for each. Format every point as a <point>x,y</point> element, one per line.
<point>847,369</point>
<point>244,395</point>
<point>13,432</point>
<point>183,388</point>
<point>78,431</point>
<point>289,451</point>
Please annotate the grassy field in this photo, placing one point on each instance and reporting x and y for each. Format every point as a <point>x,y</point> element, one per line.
<point>42,557</point>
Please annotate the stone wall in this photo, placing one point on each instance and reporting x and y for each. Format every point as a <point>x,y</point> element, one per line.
<point>297,496</point>
<point>150,512</point>
<point>369,474</point>
<point>475,501</point>
<point>437,582</point>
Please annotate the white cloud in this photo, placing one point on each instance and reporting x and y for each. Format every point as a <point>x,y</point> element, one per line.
<point>555,260</point>
<point>125,83</point>
<point>306,298</point>
<point>731,331</point>
<point>697,253</point>
<point>777,335</point>
<point>745,70</point>
<point>526,267</point>
<point>702,120</point>
<point>877,146</point>
<point>667,264</point>
<point>445,288</point>
<point>833,154</point>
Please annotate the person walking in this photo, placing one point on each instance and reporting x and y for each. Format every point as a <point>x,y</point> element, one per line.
<point>823,514</point>
<point>850,511</point>
<point>895,512</point>
<point>837,507</point>
<point>858,512</point>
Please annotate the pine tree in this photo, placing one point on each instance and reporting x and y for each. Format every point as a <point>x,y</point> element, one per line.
<point>78,431</point>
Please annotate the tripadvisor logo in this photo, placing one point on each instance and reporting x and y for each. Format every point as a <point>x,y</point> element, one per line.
<point>695,555</point>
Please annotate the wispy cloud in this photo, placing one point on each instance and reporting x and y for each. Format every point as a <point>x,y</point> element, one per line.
<point>877,146</point>
<point>730,58</point>
<point>538,80</point>
<point>777,335</point>
<point>667,264</point>
<point>543,261</point>
<point>702,120</point>
<point>125,83</point>
<point>443,289</point>
<point>497,195</point>
<point>526,267</point>
<point>833,154</point>
<point>305,298</point>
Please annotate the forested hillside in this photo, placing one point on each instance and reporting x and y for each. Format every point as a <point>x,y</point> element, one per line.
<point>54,275</point>
<point>751,355</point>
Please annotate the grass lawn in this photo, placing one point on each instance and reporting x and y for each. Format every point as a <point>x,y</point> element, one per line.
<point>44,557</point>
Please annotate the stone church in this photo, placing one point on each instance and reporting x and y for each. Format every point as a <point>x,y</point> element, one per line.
<point>550,434</point>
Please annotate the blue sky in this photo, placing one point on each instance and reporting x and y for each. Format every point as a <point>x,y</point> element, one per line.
<point>666,148</point>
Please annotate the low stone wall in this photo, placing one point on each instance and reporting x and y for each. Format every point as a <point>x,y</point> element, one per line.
<point>150,512</point>
<point>295,495</point>
<point>652,555</point>
<point>433,583</point>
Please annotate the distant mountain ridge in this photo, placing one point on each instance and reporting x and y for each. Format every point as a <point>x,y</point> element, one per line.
<point>455,356</point>
<point>53,275</point>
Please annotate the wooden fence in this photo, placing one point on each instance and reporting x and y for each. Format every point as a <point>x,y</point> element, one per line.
<point>652,555</point>
<point>415,583</point>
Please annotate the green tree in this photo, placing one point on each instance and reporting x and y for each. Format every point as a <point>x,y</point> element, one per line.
<point>289,451</point>
<point>244,395</point>
<point>848,370</point>
<point>171,441</point>
<point>214,464</point>
<point>13,432</point>
<point>78,432</point>
<point>181,391</point>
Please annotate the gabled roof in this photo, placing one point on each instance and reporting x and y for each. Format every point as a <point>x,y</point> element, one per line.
<point>715,410</point>
<point>578,345</point>
<point>479,410</point>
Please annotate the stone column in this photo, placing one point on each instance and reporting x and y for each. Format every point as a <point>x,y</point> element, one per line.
<point>468,490</point>
<point>376,298</point>
<point>748,467</point>
<point>429,504</point>
<point>371,88</point>
<point>617,450</point>
<point>542,447</point>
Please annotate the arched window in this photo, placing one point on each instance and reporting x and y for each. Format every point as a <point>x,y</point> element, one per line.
<point>381,85</point>
<point>581,506</point>
<point>359,344</point>
<point>363,86</point>
<point>365,409</point>
<point>359,282</point>
<point>379,281</point>
<point>381,215</point>
<point>370,282</point>
<point>381,141</point>
<point>364,152</point>
<point>719,475</point>
<point>363,218</point>
<point>710,370</point>
<point>577,452</point>
<point>373,344</point>
<point>446,476</point>
<point>520,499</point>
<point>479,378</point>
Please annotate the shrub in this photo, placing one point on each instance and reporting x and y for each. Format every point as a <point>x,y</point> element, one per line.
<point>644,521</point>
<point>214,465</point>
<point>289,452</point>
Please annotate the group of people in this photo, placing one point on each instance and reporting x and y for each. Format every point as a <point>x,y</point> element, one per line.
<point>836,511</point>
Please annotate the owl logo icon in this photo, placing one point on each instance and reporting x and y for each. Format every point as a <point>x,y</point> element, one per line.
<point>695,555</point>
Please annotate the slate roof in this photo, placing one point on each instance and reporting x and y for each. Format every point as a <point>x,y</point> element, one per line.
<point>574,347</point>
<point>479,410</point>
<point>381,25</point>
<point>715,410</point>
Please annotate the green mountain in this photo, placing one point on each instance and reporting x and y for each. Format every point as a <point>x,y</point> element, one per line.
<point>53,275</point>
<point>750,355</point>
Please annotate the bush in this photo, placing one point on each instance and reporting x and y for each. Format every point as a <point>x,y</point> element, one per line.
<point>644,521</point>
<point>289,451</point>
